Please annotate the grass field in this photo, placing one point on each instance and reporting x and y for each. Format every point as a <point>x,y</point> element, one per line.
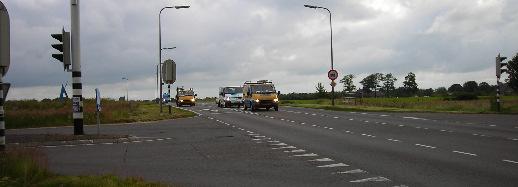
<point>28,167</point>
<point>411,104</point>
<point>32,113</point>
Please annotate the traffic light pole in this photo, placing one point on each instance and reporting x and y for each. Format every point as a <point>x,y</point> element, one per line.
<point>498,94</point>
<point>77,86</point>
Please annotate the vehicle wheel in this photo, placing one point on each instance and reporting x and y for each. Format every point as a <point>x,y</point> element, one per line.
<point>267,108</point>
<point>276,108</point>
<point>245,107</point>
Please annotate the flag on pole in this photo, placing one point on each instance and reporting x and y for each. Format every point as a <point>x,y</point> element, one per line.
<point>98,99</point>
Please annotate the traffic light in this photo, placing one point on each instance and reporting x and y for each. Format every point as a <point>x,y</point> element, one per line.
<point>63,47</point>
<point>500,65</point>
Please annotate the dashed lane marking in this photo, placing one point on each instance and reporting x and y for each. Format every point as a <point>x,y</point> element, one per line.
<point>427,146</point>
<point>306,155</point>
<point>333,165</point>
<point>352,171</point>
<point>372,179</point>
<point>511,161</point>
<point>296,151</point>
<point>394,140</point>
<point>281,144</point>
<point>286,147</point>
<point>465,153</point>
<point>321,160</point>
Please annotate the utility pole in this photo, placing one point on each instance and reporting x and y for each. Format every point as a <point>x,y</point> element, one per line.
<point>77,86</point>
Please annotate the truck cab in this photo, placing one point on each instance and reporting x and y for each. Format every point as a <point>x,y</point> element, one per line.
<point>260,94</point>
<point>230,96</point>
<point>185,97</point>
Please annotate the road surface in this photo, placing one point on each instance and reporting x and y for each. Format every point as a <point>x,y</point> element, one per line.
<point>304,147</point>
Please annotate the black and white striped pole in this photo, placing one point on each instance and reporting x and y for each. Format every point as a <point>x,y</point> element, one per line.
<point>5,59</point>
<point>77,86</point>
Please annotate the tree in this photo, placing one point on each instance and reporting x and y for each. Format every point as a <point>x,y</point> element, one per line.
<point>485,88</point>
<point>388,84</point>
<point>470,86</point>
<point>409,84</point>
<point>371,83</point>
<point>441,91</point>
<point>348,83</point>
<point>512,70</point>
<point>455,88</point>
<point>321,91</point>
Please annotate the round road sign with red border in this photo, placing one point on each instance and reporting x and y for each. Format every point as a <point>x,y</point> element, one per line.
<point>332,74</point>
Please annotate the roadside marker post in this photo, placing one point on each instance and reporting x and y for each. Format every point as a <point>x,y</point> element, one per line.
<point>332,75</point>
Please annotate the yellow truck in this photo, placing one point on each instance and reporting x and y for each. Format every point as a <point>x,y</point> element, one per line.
<point>185,97</point>
<point>260,94</point>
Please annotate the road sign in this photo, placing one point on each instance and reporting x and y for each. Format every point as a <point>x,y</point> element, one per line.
<point>169,71</point>
<point>332,74</point>
<point>5,56</point>
<point>333,83</point>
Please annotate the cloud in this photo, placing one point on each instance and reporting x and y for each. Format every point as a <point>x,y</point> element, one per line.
<point>227,42</point>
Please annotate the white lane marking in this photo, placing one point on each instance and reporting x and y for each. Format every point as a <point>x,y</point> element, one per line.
<point>273,141</point>
<point>271,117</point>
<point>286,147</point>
<point>333,165</point>
<point>383,115</point>
<point>364,113</point>
<point>394,140</point>
<point>372,179</point>
<point>383,123</point>
<point>353,112</point>
<point>302,123</point>
<point>259,136</point>
<point>306,113</point>
<point>125,142</point>
<point>514,139</point>
<point>314,125</point>
<point>427,146</point>
<point>366,121</point>
<point>321,160</point>
<point>306,155</point>
<point>292,121</point>
<point>401,125</point>
<point>88,144</point>
<point>69,145</point>
<point>409,117</point>
<point>279,144</point>
<point>49,146</point>
<point>442,130</point>
<point>282,119</point>
<point>352,171</point>
<point>149,140</point>
<point>511,161</point>
<point>492,125</point>
<point>330,128</point>
<point>336,117</point>
<point>159,139</point>
<point>296,151</point>
<point>351,119</point>
<point>466,153</point>
<point>168,138</point>
<point>313,114</point>
<point>107,143</point>
<point>136,141</point>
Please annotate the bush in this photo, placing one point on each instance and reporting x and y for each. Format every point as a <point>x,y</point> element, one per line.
<point>462,96</point>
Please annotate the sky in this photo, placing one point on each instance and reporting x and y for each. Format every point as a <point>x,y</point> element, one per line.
<point>227,42</point>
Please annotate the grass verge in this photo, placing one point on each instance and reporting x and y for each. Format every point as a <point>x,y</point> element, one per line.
<point>46,113</point>
<point>28,167</point>
<point>412,104</point>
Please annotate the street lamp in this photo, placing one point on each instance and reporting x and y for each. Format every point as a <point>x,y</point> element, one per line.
<point>332,64</point>
<point>160,48</point>
<point>127,95</point>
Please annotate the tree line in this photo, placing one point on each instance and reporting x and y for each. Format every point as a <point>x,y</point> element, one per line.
<point>383,85</point>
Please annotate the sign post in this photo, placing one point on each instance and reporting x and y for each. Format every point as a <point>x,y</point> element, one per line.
<point>169,76</point>
<point>332,75</point>
<point>98,110</point>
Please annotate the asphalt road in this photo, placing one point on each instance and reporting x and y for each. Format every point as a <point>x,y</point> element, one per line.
<point>305,147</point>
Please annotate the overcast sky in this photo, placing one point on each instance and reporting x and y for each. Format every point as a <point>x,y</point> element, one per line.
<point>227,42</point>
